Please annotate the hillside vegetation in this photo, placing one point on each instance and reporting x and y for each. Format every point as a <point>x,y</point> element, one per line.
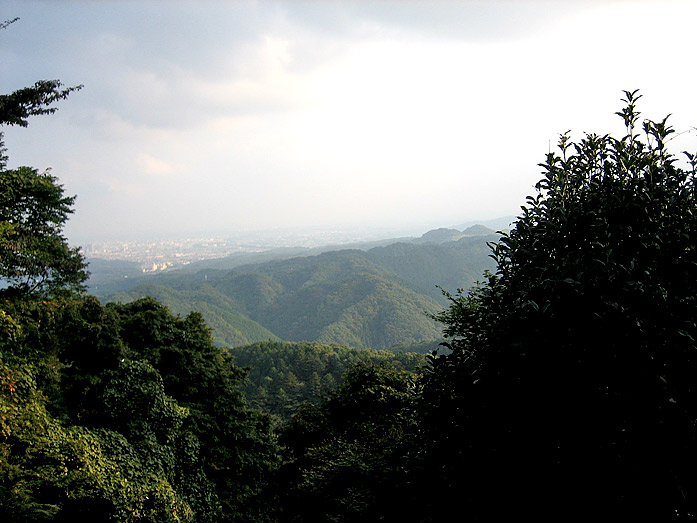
<point>285,375</point>
<point>377,298</point>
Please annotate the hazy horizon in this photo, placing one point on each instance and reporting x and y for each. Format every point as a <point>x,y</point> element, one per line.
<point>340,234</point>
<point>410,115</point>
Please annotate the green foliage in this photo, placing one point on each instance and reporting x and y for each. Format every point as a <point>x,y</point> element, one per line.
<point>285,375</point>
<point>149,393</point>
<point>236,444</point>
<point>343,455</point>
<point>571,377</point>
<point>34,255</point>
<point>18,106</point>
<point>136,405</point>
<point>50,471</point>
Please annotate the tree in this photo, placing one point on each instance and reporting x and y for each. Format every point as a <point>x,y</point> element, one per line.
<point>571,386</point>
<point>343,455</point>
<point>157,405</point>
<point>17,107</point>
<point>238,451</point>
<point>34,255</point>
<point>109,413</point>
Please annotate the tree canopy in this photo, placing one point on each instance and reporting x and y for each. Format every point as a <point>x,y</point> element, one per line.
<point>124,413</point>
<point>343,455</point>
<point>571,384</point>
<point>34,254</point>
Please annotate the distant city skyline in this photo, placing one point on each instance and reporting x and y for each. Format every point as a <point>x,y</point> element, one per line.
<point>203,117</point>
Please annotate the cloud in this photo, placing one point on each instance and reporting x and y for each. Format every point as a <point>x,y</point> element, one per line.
<point>155,166</point>
<point>294,113</point>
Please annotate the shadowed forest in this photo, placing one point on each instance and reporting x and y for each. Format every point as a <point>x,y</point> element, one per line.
<point>346,386</point>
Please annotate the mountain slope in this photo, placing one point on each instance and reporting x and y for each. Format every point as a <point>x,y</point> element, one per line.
<point>376,298</point>
<point>450,265</point>
<point>230,325</point>
<point>337,297</point>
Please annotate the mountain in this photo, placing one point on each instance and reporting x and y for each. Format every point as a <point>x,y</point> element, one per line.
<point>336,297</point>
<point>497,224</point>
<point>429,267</point>
<point>374,298</point>
<point>477,230</point>
<point>227,319</point>
<point>439,236</point>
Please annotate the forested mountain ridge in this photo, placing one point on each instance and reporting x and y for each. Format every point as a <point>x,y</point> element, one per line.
<point>232,327</point>
<point>109,276</point>
<point>338,297</point>
<point>450,265</point>
<point>375,298</point>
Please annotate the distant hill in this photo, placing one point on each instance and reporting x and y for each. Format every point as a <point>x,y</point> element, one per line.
<point>337,297</point>
<point>439,236</point>
<point>375,298</point>
<point>498,224</point>
<point>230,325</point>
<point>449,265</point>
<point>477,230</point>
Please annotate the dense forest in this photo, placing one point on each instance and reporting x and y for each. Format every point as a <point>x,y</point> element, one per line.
<point>565,389</point>
<point>285,375</point>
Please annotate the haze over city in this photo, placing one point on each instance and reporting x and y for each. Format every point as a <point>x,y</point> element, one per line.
<point>218,117</point>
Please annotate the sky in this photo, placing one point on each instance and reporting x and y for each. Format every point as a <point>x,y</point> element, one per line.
<point>210,117</point>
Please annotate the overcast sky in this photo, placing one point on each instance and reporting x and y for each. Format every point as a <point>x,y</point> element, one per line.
<point>206,117</point>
